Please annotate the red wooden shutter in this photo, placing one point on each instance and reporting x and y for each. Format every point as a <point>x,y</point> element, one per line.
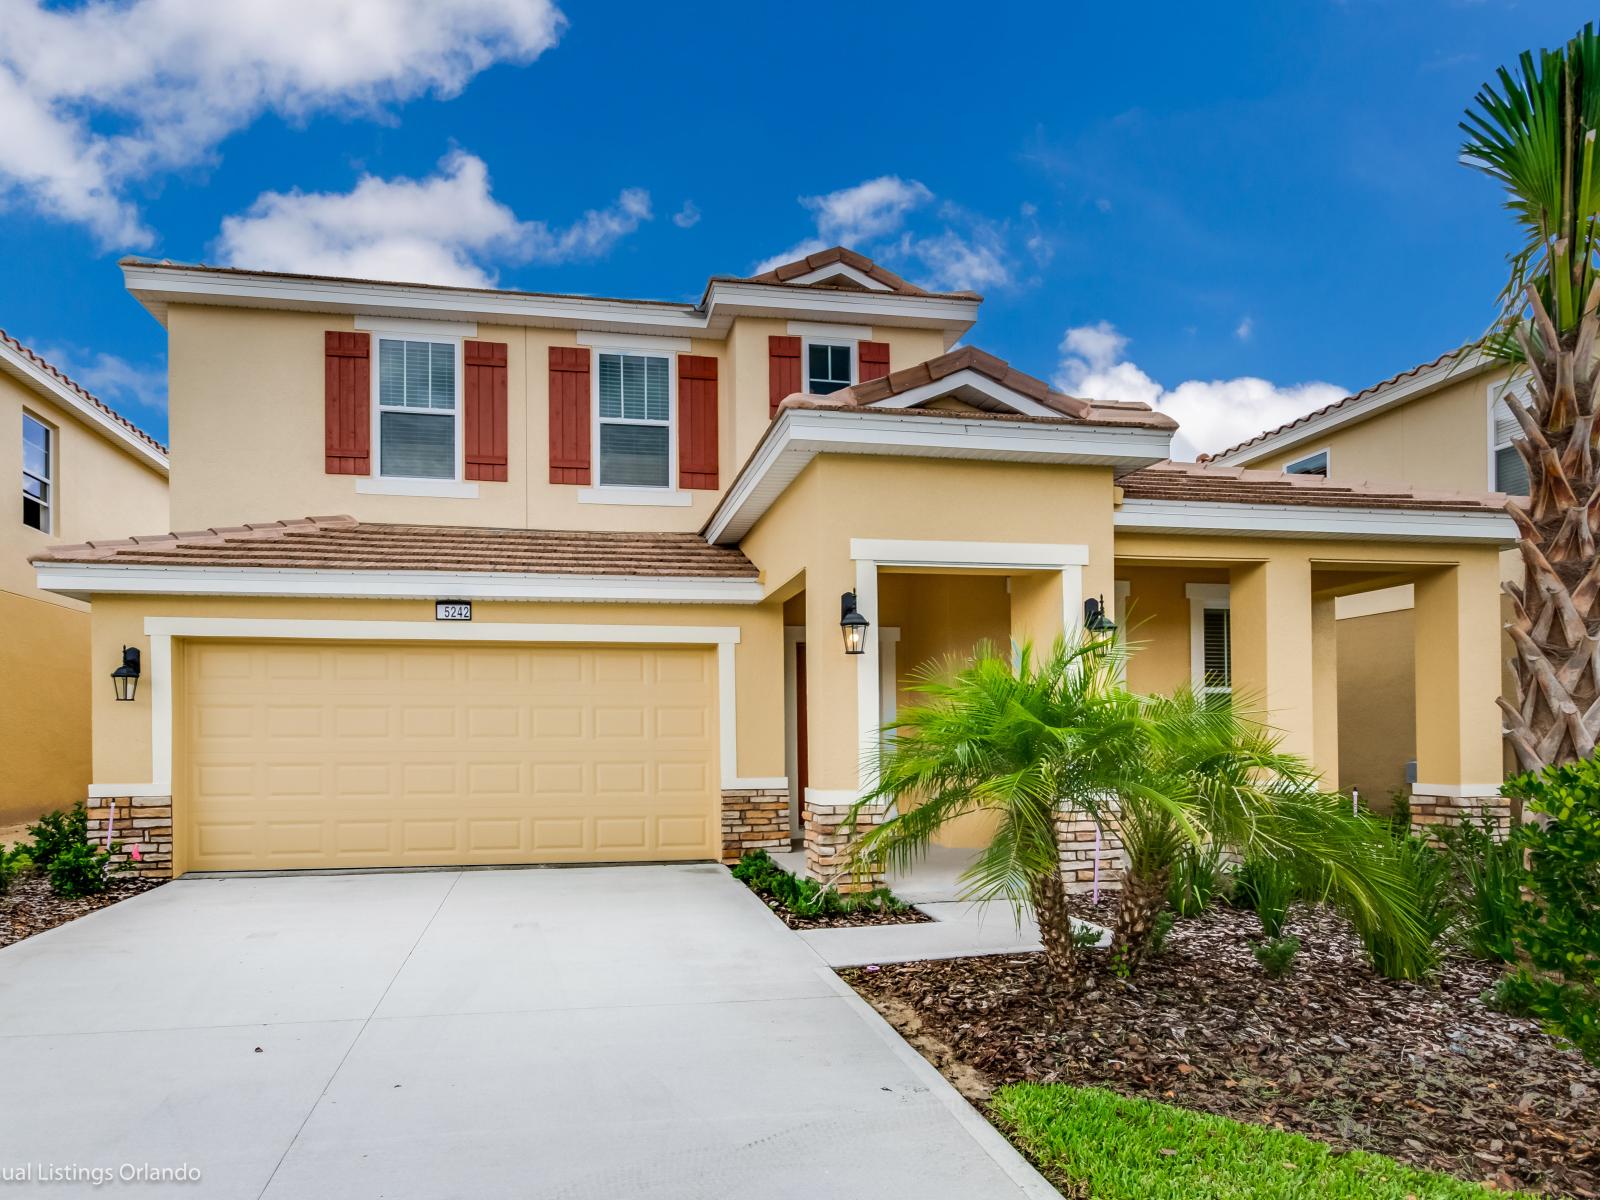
<point>783,370</point>
<point>872,360</point>
<point>485,391</point>
<point>697,422</point>
<point>347,373</point>
<point>569,414</point>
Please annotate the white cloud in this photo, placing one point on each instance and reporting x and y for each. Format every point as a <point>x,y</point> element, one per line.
<point>966,252</point>
<point>1213,414</point>
<point>125,386</point>
<point>688,216</point>
<point>438,229</point>
<point>100,95</point>
<point>1245,328</point>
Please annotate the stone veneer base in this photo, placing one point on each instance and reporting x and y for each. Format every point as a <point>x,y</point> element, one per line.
<point>1075,833</point>
<point>1430,814</point>
<point>828,845</point>
<point>142,823</point>
<point>754,819</point>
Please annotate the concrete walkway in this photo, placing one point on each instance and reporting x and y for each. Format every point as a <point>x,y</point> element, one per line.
<point>601,1032</point>
<point>959,929</point>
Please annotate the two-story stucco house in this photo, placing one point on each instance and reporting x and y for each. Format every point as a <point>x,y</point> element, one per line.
<point>83,472</point>
<point>604,579</point>
<point>1443,424</point>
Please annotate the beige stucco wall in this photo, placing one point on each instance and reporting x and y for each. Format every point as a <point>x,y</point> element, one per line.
<point>247,398</point>
<point>46,672</point>
<point>1157,624</point>
<point>1377,702</point>
<point>1436,441</point>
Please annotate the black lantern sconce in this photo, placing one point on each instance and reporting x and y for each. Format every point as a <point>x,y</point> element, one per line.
<point>126,677</point>
<point>1094,616</point>
<point>853,625</point>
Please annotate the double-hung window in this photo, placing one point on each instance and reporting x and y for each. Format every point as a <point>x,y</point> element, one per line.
<point>829,367</point>
<point>418,414</point>
<point>38,477</point>
<point>1510,471</point>
<point>635,420</point>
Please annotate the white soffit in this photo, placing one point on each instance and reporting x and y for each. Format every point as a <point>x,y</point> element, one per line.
<point>1200,518</point>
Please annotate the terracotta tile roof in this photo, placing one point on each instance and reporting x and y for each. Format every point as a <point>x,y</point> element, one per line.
<point>1237,485</point>
<point>1381,385</point>
<point>345,544</point>
<point>841,254</point>
<point>875,391</point>
<point>79,390</point>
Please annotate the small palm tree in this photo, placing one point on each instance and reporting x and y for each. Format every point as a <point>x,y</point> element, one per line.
<point>1023,741</point>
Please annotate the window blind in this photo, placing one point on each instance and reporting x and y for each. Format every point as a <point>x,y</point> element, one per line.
<point>1218,649</point>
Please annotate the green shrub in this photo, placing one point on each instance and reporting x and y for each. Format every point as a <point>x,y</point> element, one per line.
<point>1157,945</point>
<point>807,897</point>
<point>1394,954</point>
<point>1489,875</point>
<point>1558,928</point>
<point>1196,879</point>
<point>1086,937</point>
<point>10,861</point>
<point>1267,886</point>
<point>57,832</point>
<point>1276,955</point>
<point>80,870</point>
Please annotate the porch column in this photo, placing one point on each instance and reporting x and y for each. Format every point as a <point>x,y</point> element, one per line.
<point>1325,689</point>
<point>1272,645</point>
<point>1459,755</point>
<point>835,730</point>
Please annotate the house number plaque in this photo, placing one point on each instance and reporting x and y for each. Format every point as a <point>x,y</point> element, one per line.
<point>452,610</point>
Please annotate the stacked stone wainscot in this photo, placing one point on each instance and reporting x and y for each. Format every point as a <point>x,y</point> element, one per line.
<point>754,819</point>
<point>142,823</point>
<point>1430,814</point>
<point>828,836</point>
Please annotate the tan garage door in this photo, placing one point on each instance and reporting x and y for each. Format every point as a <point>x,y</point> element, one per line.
<point>340,755</point>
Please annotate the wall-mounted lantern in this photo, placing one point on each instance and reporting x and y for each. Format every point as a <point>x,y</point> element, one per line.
<point>126,677</point>
<point>1094,616</point>
<point>853,625</point>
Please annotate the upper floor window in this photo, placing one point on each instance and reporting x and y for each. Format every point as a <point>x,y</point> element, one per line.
<point>38,485</point>
<point>1312,464</point>
<point>1510,472</point>
<point>635,417</point>
<point>829,367</point>
<point>417,409</point>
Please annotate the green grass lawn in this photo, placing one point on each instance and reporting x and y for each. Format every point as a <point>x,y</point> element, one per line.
<point>1095,1143</point>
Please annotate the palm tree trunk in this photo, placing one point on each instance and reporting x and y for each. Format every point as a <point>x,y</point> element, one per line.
<point>1143,898</point>
<point>1055,933</point>
<point>1555,617</point>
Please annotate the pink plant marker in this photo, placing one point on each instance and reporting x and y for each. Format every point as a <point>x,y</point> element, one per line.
<point>135,855</point>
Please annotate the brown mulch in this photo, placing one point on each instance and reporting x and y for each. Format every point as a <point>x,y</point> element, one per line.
<point>1426,1074</point>
<point>30,907</point>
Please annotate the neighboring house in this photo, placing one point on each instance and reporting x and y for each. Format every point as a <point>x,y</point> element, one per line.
<point>77,470</point>
<point>1441,425</point>
<point>600,566</point>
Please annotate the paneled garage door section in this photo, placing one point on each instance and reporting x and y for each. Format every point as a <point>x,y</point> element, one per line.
<point>356,755</point>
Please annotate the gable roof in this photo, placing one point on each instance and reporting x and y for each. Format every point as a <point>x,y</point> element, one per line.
<point>1233,485</point>
<point>853,272</point>
<point>30,368</point>
<point>986,382</point>
<point>1408,384</point>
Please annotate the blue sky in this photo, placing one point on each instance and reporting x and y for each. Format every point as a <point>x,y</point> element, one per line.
<point>1238,212</point>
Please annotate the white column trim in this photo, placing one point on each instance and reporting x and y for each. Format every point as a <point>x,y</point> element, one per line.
<point>1457,791</point>
<point>1202,596</point>
<point>161,701</point>
<point>869,704</point>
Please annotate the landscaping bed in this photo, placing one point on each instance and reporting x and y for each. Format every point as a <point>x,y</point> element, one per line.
<point>30,907</point>
<point>806,904</point>
<point>1426,1074</point>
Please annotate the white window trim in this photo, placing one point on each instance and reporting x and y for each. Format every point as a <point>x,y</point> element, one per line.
<point>52,441</point>
<point>805,360</point>
<point>380,484</point>
<point>824,329</point>
<point>1496,389</point>
<point>1203,597</point>
<point>1326,453</point>
<point>608,493</point>
<point>1121,589</point>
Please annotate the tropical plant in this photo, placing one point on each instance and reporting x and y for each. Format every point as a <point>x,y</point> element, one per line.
<point>1267,886</point>
<point>1558,926</point>
<point>1276,955</point>
<point>1023,741</point>
<point>1197,878</point>
<point>1425,872</point>
<point>1534,132</point>
<point>11,860</point>
<point>1488,872</point>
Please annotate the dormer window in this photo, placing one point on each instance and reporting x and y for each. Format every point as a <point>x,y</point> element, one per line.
<point>830,367</point>
<point>1311,464</point>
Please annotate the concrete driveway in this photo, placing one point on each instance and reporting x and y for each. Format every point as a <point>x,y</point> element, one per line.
<point>597,1032</point>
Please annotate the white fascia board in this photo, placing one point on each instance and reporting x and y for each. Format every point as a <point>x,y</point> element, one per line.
<point>156,286</point>
<point>441,631</point>
<point>849,272</point>
<point>87,579</point>
<point>892,552</point>
<point>968,378</point>
<point>800,435</point>
<point>42,381</point>
<point>1294,520</point>
<point>1346,414</point>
